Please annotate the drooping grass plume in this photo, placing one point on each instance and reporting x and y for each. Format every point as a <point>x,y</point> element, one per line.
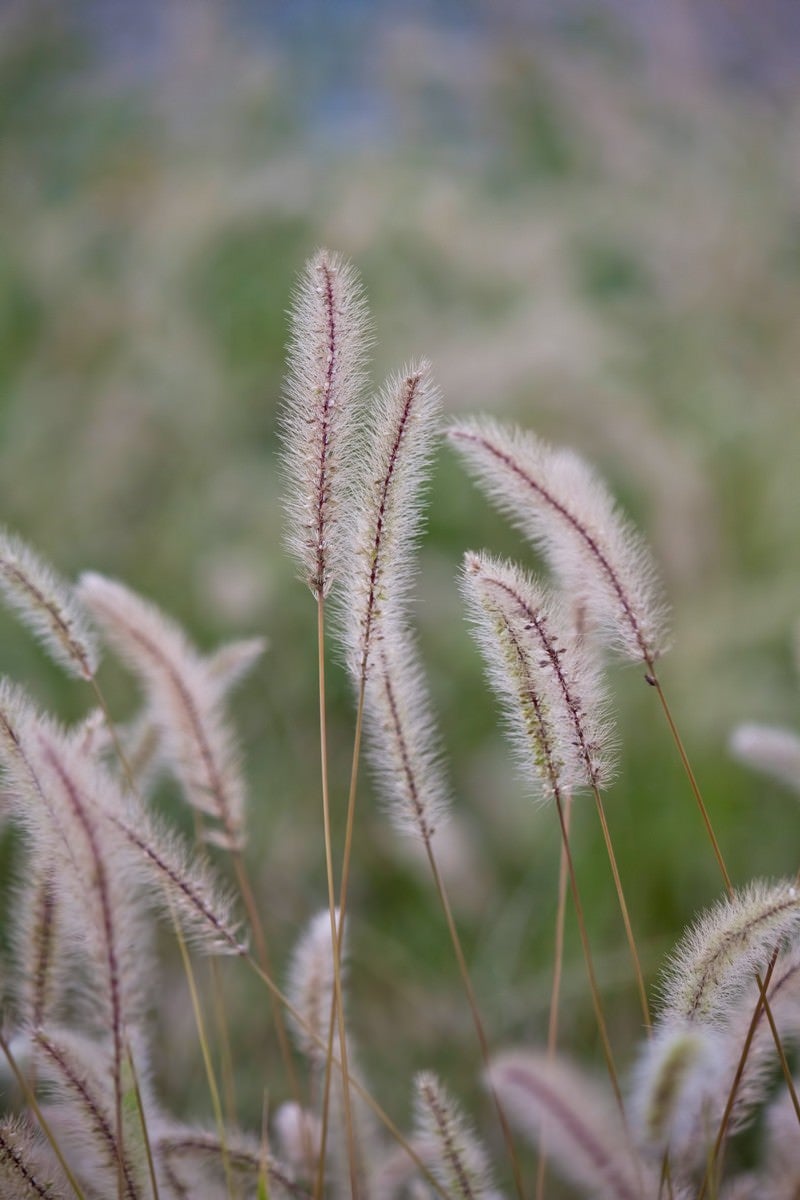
<point>720,954</point>
<point>327,348</point>
<point>444,1139</point>
<point>402,428</point>
<point>27,1169</point>
<point>585,1137</point>
<point>185,697</point>
<point>775,752</point>
<point>561,505</point>
<point>47,605</point>
<point>529,648</point>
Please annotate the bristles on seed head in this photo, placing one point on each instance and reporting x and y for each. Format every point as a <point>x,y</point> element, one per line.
<point>403,739</point>
<point>28,1169</point>
<point>717,958</point>
<point>555,1105</point>
<point>310,986</point>
<point>775,752</point>
<point>554,497</point>
<point>185,697</point>
<point>532,651</point>
<point>327,352</point>
<point>402,433</point>
<point>677,1082</point>
<point>447,1144</point>
<point>48,606</point>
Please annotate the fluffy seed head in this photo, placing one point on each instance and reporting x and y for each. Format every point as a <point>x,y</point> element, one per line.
<point>185,697</point>
<point>584,1136</point>
<point>47,605</point>
<point>329,342</point>
<point>446,1142</point>
<point>402,433</point>
<point>719,955</point>
<point>558,502</point>
<point>776,752</point>
<point>544,673</point>
<point>403,739</point>
<point>676,1083</point>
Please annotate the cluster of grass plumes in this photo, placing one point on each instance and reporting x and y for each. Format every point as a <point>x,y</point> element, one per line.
<point>84,1118</point>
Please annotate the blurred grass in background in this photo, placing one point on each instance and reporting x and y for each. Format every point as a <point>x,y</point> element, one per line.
<point>589,225</point>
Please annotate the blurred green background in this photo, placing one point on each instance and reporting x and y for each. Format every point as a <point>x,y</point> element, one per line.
<point>588,217</point>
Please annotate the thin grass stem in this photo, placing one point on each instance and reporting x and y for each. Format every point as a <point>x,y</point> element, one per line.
<point>587,954</point>
<point>337,978</point>
<point>654,681</point>
<point>612,859</point>
<point>148,1149</point>
<point>206,1053</point>
<point>555,994</point>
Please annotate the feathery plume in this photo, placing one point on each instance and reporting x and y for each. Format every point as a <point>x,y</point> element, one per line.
<point>776,752</point>
<point>719,955</point>
<point>510,609</point>
<point>402,429</point>
<point>584,1135</point>
<point>47,605</point>
<point>151,859</point>
<point>40,976</point>
<point>81,1112</point>
<point>234,661</point>
<point>445,1141</point>
<point>26,1172</point>
<point>541,731</point>
<point>403,737</point>
<point>676,1090</point>
<point>184,697</point>
<point>329,342</point>
<point>559,503</point>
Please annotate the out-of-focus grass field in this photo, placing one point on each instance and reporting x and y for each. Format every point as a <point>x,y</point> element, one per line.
<point>595,234</point>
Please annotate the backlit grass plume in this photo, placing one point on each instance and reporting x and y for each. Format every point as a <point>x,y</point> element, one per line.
<point>327,348</point>
<point>559,503</point>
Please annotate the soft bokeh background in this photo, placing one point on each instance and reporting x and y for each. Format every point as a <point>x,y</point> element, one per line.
<point>587,215</point>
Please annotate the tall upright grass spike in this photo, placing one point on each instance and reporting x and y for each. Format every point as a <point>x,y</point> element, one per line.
<point>328,344</point>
